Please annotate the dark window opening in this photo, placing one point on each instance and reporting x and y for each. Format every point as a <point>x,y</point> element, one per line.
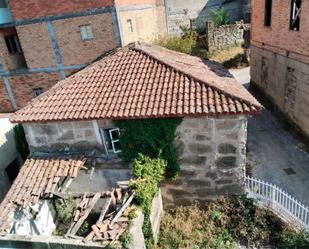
<point>12,170</point>
<point>295,15</point>
<point>268,9</point>
<point>111,139</point>
<point>3,4</point>
<point>12,44</point>
<point>37,91</point>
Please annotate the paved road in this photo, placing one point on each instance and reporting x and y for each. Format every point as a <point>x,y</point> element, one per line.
<point>274,154</point>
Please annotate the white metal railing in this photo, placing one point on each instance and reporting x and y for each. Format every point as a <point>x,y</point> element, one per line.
<point>279,201</point>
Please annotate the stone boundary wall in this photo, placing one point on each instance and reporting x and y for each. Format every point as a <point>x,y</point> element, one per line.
<point>59,136</point>
<point>223,36</point>
<point>212,155</point>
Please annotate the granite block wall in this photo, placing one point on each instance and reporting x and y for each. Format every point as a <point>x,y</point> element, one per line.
<point>212,155</point>
<point>53,137</point>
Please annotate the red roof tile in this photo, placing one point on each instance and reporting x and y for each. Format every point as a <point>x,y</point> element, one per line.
<point>142,81</point>
<point>37,177</point>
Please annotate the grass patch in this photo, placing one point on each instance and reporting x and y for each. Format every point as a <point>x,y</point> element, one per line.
<point>233,57</point>
<point>225,223</point>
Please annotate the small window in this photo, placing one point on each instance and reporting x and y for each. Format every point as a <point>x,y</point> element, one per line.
<point>295,15</point>
<point>268,9</point>
<point>86,32</point>
<point>12,44</point>
<point>3,4</point>
<point>130,25</point>
<point>114,137</point>
<point>37,91</point>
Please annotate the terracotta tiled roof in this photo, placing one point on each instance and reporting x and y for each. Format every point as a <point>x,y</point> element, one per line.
<point>37,177</point>
<point>142,81</point>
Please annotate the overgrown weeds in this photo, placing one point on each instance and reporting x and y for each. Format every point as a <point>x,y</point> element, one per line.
<point>147,175</point>
<point>227,222</point>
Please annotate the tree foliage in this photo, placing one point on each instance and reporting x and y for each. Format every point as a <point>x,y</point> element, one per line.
<point>220,16</point>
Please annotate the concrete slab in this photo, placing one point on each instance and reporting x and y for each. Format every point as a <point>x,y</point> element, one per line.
<point>102,179</point>
<point>274,155</point>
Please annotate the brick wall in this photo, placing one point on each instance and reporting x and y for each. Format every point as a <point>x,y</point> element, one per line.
<point>28,9</point>
<point>280,60</point>
<point>278,38</point>
<point>76,51</point>
<point>36,45</point>
<point>22,85</point>
<point>5,104</point>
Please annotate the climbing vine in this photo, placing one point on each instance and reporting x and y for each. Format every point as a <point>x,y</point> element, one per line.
<point>151,137</point>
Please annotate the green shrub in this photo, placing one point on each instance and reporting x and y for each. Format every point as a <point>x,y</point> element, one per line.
<point>147,173</point>
<point>224,222</point>
<point>151,137</point>
<point>145,167</point>
<point>183,44</point>
<point>21,142</point>
<point>220,16</point>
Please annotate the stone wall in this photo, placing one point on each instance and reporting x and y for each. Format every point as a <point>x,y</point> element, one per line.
<point>285,81</point>
<point>223,36</point>
<point>180,12</point>
<point>60,136</point>
<point>211,152</point>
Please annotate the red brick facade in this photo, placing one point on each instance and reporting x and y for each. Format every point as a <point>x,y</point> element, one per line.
<point>280,60</point>
<point>5,103</point>
<point>278,37</point>
<point>27,9</point>
<point>22,85</point>
<point>73,50</point>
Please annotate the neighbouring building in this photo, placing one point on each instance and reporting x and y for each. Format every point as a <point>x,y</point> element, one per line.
<point>143,81</point>
<point>42,42</point>
<point>9,157</point>
<point>280,56</point>
<point>197,12</point>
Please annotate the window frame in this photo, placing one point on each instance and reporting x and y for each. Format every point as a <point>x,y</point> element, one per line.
<point>130,25</point>
<point>268,13</point>
<point>114,140</point>
<point>12,44</point>
<point>37,91</point>
<point>295,14</point>
<point>86,32</point>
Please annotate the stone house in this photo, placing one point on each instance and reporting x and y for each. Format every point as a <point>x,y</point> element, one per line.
<point>144,81</point>
<point>280,57</point>
<point>42,42</point>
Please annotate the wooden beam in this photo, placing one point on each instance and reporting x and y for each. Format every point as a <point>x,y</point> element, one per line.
<point>104,210</point>
<point>78,224</point>
<point>123,208</point>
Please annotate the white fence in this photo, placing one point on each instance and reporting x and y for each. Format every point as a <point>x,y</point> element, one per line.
<point>279,201</point>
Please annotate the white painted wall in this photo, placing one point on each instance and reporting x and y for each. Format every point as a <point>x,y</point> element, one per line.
<point>7,153</point>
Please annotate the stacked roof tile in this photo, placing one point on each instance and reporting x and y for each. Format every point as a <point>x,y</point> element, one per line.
<point>142,81</point>
<point>37,177</point>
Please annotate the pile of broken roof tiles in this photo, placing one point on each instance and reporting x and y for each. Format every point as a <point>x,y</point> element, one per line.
<point>38,177</point>
<point>142,81</point>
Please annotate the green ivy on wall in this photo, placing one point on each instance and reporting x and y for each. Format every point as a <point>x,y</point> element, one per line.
<point>151,137</point>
